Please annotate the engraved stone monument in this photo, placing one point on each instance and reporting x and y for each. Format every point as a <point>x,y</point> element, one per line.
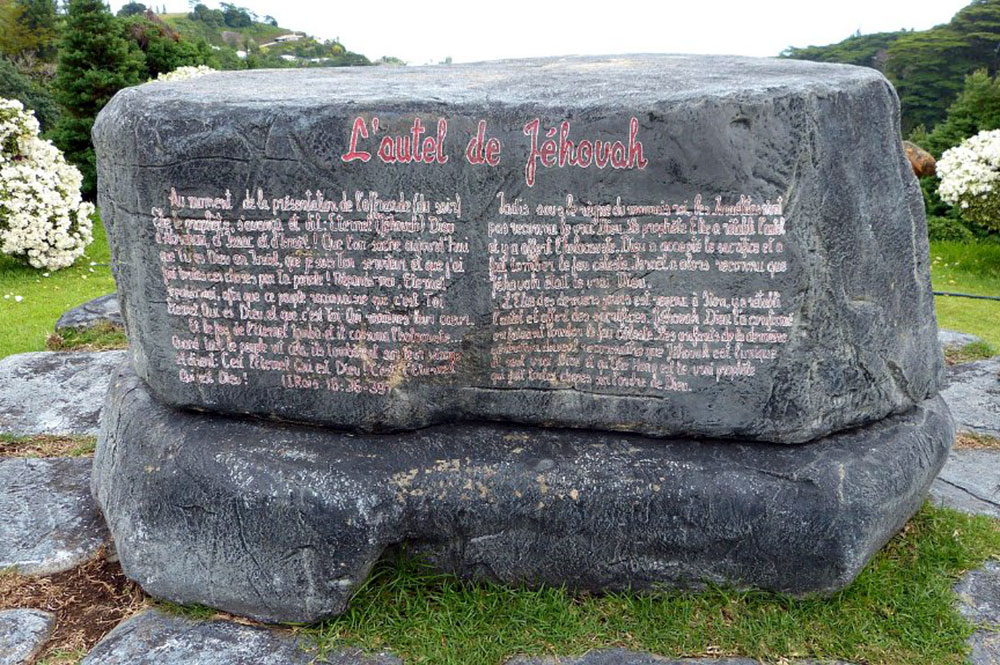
<point>604,322</point>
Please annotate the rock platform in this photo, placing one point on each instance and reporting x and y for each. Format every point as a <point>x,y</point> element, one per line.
<point>54,393</point>
<point>283,523</point>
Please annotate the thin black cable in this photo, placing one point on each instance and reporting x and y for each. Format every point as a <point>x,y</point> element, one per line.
<point>965,295</point>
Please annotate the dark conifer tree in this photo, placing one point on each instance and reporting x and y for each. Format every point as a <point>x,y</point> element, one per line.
<point>95,62</point>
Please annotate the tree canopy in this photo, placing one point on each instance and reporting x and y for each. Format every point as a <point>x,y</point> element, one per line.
<point>95,62</point>
<point>927,66</point>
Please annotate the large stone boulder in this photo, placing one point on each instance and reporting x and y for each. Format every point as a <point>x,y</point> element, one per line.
<point>22,634</point>
<point>922,162</point>
<point>283,522</point>
<point>670,245</point>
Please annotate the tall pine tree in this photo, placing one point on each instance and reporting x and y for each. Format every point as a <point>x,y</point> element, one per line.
<point>42,20</point>
<point>95,62</point>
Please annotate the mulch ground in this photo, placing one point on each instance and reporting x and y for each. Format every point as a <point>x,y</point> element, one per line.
<point>46,445</point>
<point>87,601</point>
<point>970,441</point>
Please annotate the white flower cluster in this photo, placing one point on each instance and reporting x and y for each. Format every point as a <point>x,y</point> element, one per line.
<point>185,73</point>
<point>970,171</point>
<point>42,218</point>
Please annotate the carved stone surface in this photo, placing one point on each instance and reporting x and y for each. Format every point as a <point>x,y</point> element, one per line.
<point>103,310</point>
<point>672,245</point>
<point>282,522</point>
<point>54,393</point>
<point>22,634</point>
<point>157,638</point>
<point>50,521</point>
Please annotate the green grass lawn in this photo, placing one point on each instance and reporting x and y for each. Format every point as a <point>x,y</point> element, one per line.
<point>968,268</point>
<point>898,611</point>
<point>31,302</point>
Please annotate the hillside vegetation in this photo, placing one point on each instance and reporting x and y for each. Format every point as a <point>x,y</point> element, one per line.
<point>193,29</point>
<point>237,33</point>
<point>948,89</point>
<point>927,67</point>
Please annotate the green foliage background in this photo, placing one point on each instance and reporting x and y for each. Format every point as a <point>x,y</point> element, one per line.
<point>949,90</point>
<point>34,96</point>
<point>95,62</point>
<point>66,61</point>
<point>927,67</point>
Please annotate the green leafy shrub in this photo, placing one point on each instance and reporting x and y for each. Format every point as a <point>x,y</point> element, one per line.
<point>15,85</point>
<point>948,228</point>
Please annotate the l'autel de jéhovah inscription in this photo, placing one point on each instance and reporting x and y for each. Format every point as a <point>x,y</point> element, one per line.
<point>648,263</point>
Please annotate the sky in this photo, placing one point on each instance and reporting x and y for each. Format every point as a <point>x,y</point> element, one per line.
<point>428,31</point>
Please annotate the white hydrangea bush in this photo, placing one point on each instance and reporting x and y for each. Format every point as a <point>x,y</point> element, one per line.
<point>185,73</point>
<point>43,219</point>
<point>970,177</point>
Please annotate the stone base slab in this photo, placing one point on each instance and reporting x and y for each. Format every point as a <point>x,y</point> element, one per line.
<point>48,392</point>
<point>282,523</point>
<point>972,391</point>
<point>154,637</point>
<point>48,520</point>
<point>970,482</point>
<point>23,632</point>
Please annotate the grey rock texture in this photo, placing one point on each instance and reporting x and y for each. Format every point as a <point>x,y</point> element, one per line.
<point>93,313</point>
<point>970,482</point>
<point>626,657</point>
<point>972,391</point>
<point>22,634</point>
<point>54,393</point>
<point>985,647</point>
<point>979,594</point>
<point>861,338</point>
<point>952,339</point>
<point>282,523</point>
<point>50,521</point>
<point>153,637</point>
<point>979,601</point>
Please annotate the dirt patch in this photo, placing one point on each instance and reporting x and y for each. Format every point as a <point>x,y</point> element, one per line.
<point>972,441</point>
<point>46,445</point>
<point>87,601</point>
